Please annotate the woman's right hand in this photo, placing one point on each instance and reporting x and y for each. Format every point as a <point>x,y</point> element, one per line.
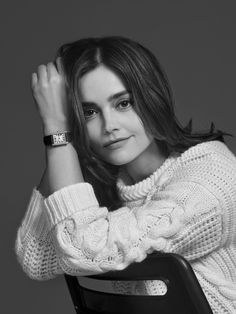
<point>50,94</point>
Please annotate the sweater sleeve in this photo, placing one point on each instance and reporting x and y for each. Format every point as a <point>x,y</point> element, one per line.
<point>34,249</point>
<point>191,215</point>
<point>91,240</point>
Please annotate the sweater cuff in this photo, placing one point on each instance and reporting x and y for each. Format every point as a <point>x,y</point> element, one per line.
<point>68,200</point>
<point>34,219</point>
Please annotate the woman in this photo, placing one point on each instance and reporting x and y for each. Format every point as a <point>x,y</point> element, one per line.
<point>131,179</point>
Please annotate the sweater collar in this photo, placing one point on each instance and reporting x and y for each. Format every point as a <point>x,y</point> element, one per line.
<point>139,190</point>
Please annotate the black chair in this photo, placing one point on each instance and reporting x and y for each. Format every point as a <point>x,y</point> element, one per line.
<point>184,294</point>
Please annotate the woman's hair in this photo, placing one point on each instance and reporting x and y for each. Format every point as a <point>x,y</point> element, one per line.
<point>143,76</point>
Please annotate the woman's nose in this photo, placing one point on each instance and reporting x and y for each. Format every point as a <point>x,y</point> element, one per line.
<point>110,123</point>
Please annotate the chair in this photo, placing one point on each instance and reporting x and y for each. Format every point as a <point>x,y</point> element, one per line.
<point>184,294</point>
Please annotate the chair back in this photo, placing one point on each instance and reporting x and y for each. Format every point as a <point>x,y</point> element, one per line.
<point>183,296</point>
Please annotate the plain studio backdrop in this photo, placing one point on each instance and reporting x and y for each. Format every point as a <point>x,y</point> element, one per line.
<point>195,42</point>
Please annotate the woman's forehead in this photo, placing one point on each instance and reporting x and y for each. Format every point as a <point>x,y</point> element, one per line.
<point>100,83</point>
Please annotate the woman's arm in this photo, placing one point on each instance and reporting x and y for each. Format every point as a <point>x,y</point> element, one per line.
<point>33,241</point>
<point>50,95</point>
<point>35,250</point>
<point>62,165</point>
<point>43,187</point>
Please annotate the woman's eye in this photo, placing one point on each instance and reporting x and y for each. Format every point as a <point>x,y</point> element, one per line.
<point>89,113</point>
<point>124,104</point>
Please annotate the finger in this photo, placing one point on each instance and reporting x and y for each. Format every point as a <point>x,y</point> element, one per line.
<point>34,79</point>
<point>59,65</point>
<point>42,74</point>
<point>51,70</point>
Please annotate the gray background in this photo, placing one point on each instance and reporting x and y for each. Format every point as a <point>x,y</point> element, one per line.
<point>194,40</point>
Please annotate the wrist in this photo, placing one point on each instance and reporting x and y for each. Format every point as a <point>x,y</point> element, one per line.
<point>54,128</point>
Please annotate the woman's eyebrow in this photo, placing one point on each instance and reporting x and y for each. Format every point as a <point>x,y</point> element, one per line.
<point>110,98</point>
<point>117,95</point>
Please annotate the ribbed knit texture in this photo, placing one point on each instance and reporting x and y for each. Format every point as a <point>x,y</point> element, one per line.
<point>187,206</point>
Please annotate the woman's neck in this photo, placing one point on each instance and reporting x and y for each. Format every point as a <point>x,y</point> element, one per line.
<point>146,163</point>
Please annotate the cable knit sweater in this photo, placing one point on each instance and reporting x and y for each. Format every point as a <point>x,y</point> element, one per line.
<point>187,206</point>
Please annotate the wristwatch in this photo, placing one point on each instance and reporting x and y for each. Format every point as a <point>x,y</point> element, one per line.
<point>58,139</point>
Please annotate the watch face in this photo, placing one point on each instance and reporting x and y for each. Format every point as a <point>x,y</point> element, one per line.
<point>59,138</point>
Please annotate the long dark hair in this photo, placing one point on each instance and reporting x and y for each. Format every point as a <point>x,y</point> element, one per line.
<point>153,100</point>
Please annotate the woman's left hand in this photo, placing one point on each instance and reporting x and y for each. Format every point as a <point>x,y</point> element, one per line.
<point>50,94</point>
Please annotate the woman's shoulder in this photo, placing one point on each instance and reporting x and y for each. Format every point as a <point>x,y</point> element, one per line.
<point>211,165</point>
<point>205,162</point>
<point>209,149</point>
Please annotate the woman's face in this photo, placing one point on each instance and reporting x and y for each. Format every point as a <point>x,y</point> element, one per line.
<point>110,116</point>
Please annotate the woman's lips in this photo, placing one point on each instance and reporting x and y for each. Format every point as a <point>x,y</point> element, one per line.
<point>118,144</point>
